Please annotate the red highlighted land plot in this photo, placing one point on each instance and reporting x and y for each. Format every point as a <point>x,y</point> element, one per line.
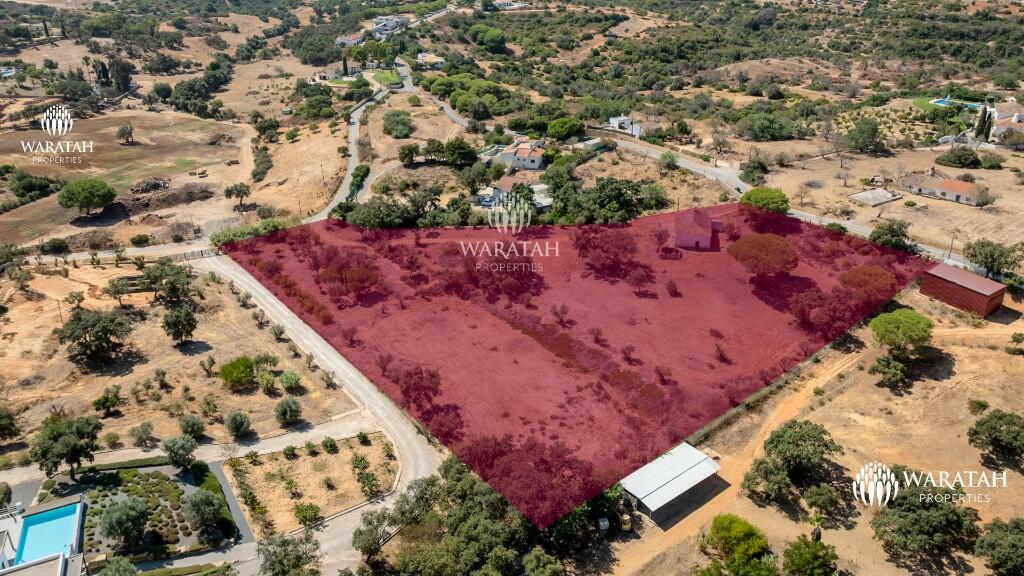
<point>557,361</point>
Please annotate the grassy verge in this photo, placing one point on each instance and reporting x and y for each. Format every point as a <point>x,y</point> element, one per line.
<point>387,77</point>
<point>924,103</point>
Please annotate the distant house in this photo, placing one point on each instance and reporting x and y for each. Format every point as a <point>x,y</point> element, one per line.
<point>504,184</point>
<point>510,5</point>
<point>963,289</point>
<point>324,75</point>
<point>626,124</point>
<point>523,154</point>
<point>695,230</point>
<point>386,25</point>
<point>1008,117</point>
<point>430,60</point>
<point>938,185</point>
<point>348,41</point>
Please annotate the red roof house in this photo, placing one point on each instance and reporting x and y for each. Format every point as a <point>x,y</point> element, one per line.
<point>696,230</point>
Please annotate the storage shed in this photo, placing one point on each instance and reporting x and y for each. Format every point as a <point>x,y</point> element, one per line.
<point>962,289</point>
<point>661,487</point>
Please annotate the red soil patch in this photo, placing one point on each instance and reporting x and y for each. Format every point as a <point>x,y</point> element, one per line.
<point>550,408</point>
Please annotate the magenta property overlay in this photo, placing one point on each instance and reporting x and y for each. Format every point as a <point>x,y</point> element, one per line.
<point>556,361</point>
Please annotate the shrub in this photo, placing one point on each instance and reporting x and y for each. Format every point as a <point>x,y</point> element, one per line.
<point>975,406</point>
<point>290,381</point>
<point>307,514</point>
<point>180,451</point>
<point>239,374</point>
<point>238,424</point>
<point>398,124</point>
<point>140,240</point>
<point>290,452</point>
<point>329,445</point>
<point>191,425</point>
<point>202,509</point>
<point>363,438</point>
<point>288,411</point>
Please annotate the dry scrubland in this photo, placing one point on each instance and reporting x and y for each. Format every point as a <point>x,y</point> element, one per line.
<point>36,375</point>
<point>684,189</point>
<point>924,426</point>
<point>428,122</point>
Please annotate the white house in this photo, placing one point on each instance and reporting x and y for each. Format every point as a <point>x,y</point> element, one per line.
<point>1008,117</point>
<point>523,153</point>
<point>695,230</point>
<point>430,60</point>
<point>627,125</point>
<point>354,39</point>
<point>938,185</point>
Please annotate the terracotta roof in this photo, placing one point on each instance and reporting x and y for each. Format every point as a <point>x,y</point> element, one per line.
<point>507,181</point>
<point>1009,108</point>
<point>958,186</point>
<point>966,279</point>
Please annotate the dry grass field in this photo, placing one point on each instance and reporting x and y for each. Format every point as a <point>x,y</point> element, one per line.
<point>36,375</point>
<point>428,121</point>
<point>683,189</point>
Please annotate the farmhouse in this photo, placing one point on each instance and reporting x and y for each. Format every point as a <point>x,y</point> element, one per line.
<point>627,125</point>
<point>963,289</point>
<point>1009,117</point>
<point>504,184</point>
<point>523,154</point>
<point>430,60</point>
<point>938,185</point>
<point>354,39</point>
<point>672,481</point>
<point>696,230</point>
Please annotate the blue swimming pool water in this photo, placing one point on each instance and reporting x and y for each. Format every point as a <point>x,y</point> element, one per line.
<point>944,102</point>
<point>46,533</point>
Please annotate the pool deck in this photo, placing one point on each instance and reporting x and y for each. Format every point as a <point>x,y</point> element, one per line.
<point>52,505</point>
<point>76,538</point>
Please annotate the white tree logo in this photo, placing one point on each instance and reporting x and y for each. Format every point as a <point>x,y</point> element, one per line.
<point>57,121</point>
<point>510,213</point>
<point>875,485</point>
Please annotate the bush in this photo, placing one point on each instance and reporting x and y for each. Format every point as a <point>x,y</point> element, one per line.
<point>180,451</point>
<point>140,240</point>
<point>329,445</point>
<point>239,375</point>
<point>959,157</point>
<point>288,411</point>
<point>290,381</point>
<point>54,246</point>
<point>238,424</point>
<point>363,438</point>
<point>191,425</point>
<point>398,124</point>
<point>307,514</point>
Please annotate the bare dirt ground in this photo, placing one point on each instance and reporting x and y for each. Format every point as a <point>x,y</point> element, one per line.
<point>309,473</point>
<point>168,145</point>
<point>933,220</point>
<point>67,53</point>
<point>428,121</point>
<point>684,190</point>
<point>264,86</point>
<point>37,375</point>
<point>923,427</point>
<point>637,25</point>
<point>306,172</point>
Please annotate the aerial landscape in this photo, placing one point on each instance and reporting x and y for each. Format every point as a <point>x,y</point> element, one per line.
<point>511,287</point>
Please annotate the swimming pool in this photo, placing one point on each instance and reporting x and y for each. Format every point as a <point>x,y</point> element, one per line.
<point>946,102</point>
<point>49,532</point>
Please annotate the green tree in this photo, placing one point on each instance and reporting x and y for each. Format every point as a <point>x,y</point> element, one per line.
<point>373,531</point>
<point>238,190</point>
<point>821,498</point>
<point>180,323</point>
<point>288,411</point>
<point>901,330</point>
<point>865,136</point>
<point>767,480</point>
<point>1002,546</point>
<point>806,557</point>
<point>118,566</point>
<point>93,337</point>
<point>537,562</point>
<point>192,426</point>
<point>284,555</point>
<point>64,440</point>
<point>117,289</point>
<point>802,447</point>
<point>180,451</point>
<point>398,124</point>
<point>8,424</point>
<point>999,433</point>
<point>770,199</point>
<point>994,257</point>
<point>894,234</point>
<point>924,523</point>
<point>458,152</point>
<point>237,423</point>
<point>125,521</point>
<point>736,539</point>
<point>407,153</point>
<point>126,134</point>
<point>86,194</point>
<point>203,510</point>
<point>764,255</point>
<point>564,128</point>
<point>306,513</point>
<point>239,374</point>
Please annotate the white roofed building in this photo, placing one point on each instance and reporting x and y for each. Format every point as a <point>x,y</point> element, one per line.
<point>661,487</point>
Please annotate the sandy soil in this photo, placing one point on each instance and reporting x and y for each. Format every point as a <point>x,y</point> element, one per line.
<point>264,86</point>
<point>933,220</point>
<point>637,25</point>
<point>429,122</point>
<point>930,422</point>
<point>37,374</point>
<point>683,190</point>
<point>306,172</point>
<point>309,473</point>
<point>67,53</point>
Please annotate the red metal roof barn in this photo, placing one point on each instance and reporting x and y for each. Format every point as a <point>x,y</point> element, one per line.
<point>963,289</point>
